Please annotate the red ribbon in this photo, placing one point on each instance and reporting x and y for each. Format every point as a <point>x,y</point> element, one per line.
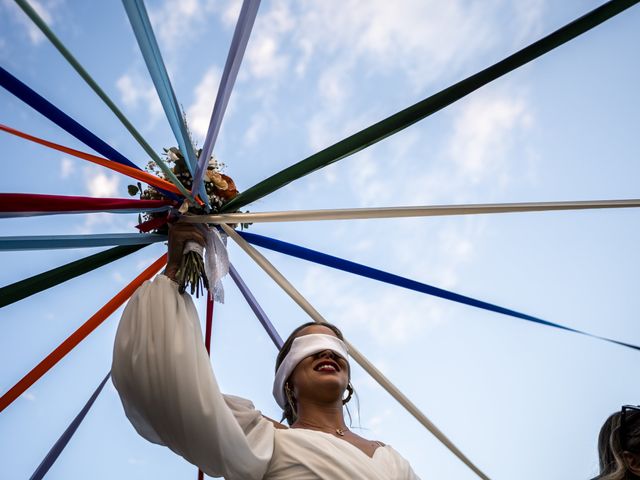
<point>152,224</point>
<point>118,167</point>
<point>209,323</point>
<point>207,342</point>
<point>28,202</point>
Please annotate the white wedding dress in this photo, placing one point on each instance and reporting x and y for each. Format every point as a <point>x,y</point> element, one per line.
<point>169,392</point>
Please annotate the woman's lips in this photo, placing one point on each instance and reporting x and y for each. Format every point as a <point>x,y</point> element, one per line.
<point>327,366</point>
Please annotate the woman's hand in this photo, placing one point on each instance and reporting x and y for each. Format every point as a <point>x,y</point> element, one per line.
<point>179,234</point>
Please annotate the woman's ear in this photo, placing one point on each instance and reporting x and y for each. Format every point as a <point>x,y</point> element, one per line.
<point>632,461</point>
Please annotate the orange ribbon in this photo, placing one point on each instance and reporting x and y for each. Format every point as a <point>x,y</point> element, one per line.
<point>80,334</point>
<point>118,167</point>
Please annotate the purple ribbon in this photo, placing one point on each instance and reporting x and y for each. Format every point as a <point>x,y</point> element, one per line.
<point>62,442</point>
<point>232,66</point>
<point>257,309</point>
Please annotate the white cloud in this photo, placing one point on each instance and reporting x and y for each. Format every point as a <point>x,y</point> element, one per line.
<point>29,396</point>
<point>199,112</point>
<point>34,33</point>
<point>175,20</point>
<point>95,223</point>
<point>101,184</point>
<point>106,222</point>
<point>319,133</point>
<point>265,58</point>
<point>257,127</point>
<point>66,167</point>
<point>528,14</point>
<point>136,92</point>
<point>483,133</point>
<point>483,139</point>
<point>231,12</point>
<point>178,22</point>
<point>332,85</point>
<point>417,41</point>
<point>43,9</point>
<point>264,55</point>
<point>330,124</point>
<point>377,311</point>
<point>418,38</point>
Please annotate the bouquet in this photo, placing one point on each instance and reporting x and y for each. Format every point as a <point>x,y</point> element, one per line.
<point>220,188</point>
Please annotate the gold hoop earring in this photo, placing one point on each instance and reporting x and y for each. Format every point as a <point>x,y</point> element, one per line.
<point>350,390</point>
<point>290,397</point>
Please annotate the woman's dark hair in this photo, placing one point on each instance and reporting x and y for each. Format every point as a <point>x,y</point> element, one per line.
<point>290,409</point>
<point>613,441</point>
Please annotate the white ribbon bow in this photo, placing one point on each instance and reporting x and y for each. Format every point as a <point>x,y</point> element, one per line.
<point>216,260</point>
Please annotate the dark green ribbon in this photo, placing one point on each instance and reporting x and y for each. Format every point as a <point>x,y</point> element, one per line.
<point>32,285</point>
<point>428,106</point>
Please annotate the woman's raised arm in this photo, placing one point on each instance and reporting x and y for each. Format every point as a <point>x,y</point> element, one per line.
<point>164,377</point>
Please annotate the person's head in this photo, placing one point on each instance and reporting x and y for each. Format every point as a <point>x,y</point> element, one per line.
<point>321,376</point>
<point>619,445</point>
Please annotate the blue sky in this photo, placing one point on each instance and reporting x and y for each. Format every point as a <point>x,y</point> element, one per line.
<point>522,401</point>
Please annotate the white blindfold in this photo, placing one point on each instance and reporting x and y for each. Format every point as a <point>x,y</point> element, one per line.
<point>301,348</point>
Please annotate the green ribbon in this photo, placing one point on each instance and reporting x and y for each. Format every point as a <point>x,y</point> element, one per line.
<point>33,15</point>
<point>428,106</point>
<point>32,285</point>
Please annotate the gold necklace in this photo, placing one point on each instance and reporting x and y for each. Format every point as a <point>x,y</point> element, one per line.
<point>339,431</point>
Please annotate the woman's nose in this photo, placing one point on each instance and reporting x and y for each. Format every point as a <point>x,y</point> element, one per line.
<point>326,354</point>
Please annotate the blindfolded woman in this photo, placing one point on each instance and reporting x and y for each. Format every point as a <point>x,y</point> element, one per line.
<point>169,392</point>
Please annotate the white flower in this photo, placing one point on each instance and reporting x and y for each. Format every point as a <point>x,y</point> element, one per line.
<point>184,207</point>
<point>172,154</point>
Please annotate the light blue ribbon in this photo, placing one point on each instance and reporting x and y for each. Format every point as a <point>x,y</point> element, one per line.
<point>143,31</point>
<point>232,66</point>
<point>66,212</point>
<point>48,242</point>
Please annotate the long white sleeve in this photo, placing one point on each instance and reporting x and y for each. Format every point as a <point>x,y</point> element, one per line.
<point>164,377</point>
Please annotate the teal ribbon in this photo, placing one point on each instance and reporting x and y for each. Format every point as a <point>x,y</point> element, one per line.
<point>143,31</point>
<point>48,242</point>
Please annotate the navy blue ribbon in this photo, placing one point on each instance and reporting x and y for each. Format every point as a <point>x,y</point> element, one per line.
<point>53,113</point>
<point>64,121</point>
<point>381,276</point>
<point>62,442</point>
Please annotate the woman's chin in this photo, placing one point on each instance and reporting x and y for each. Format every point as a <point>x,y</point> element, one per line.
<point>327,386</point>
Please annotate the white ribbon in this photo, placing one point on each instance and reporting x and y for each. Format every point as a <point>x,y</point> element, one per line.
<point>377,375</point>
<point>418,211</point>
<point>216,260</point>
